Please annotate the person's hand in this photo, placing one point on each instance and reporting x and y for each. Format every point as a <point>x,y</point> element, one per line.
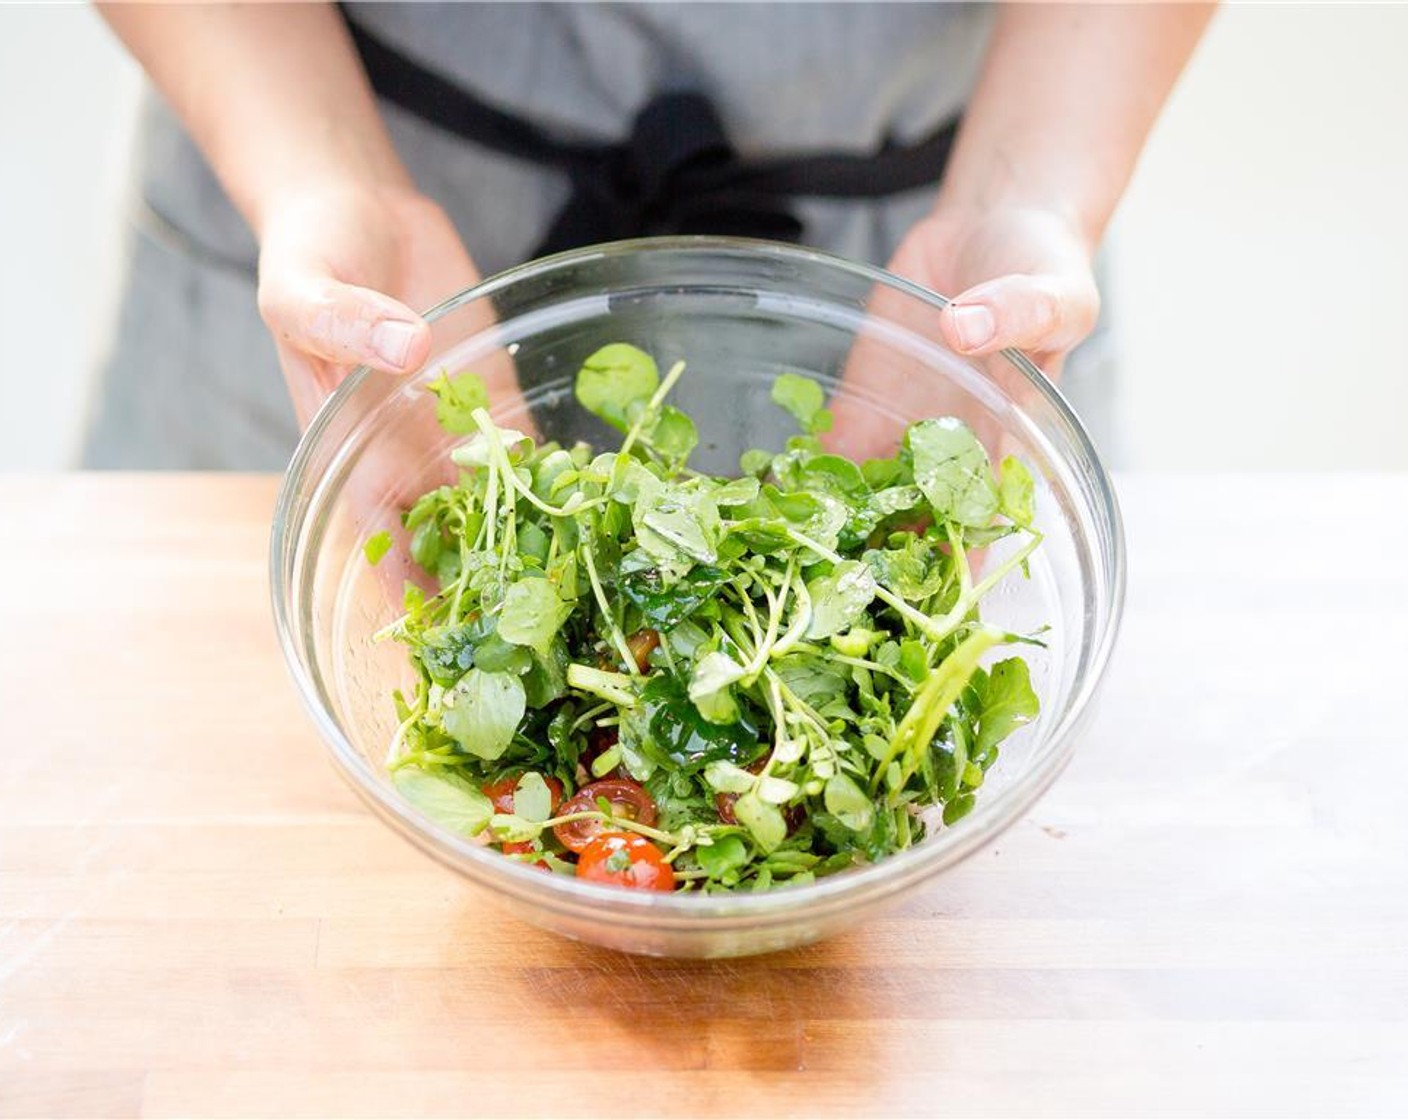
<point>343,271</point>
<point>1017,277</point>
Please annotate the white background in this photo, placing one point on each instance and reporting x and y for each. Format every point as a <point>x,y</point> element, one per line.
<point>1260,288</point>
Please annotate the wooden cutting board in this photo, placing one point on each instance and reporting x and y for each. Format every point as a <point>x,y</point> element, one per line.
<point>1207,915</point>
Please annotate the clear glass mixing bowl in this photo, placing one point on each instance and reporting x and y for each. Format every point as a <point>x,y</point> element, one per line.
<point>739,313</point>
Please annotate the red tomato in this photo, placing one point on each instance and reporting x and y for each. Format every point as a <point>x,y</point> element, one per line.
<point>625,859</point>
<point>501,793</point>
<point>627,799</point>
<point>521,847</point>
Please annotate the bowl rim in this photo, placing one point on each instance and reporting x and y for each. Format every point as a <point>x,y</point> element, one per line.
<point>725,910</point>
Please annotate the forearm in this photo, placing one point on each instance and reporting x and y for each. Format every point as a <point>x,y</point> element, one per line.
<point>274,95</point>
<point>1064,102</point>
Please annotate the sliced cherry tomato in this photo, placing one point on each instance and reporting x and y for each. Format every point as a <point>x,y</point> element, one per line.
<point>523,847</point>
<point>628,799</point>
<point>626,859</point>
<point>640,644</point>
<point>501,793</point>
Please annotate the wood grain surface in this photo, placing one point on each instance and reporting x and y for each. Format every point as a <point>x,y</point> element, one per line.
<point>1208,915</point>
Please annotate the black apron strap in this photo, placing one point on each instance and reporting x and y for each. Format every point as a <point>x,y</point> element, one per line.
<point>677,172</point>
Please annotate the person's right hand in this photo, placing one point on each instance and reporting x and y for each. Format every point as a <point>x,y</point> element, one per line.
<point>342,268</point>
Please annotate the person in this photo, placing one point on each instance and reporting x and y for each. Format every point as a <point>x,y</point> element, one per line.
<point>337,170</point>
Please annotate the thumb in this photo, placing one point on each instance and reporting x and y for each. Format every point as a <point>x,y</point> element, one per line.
<point>323,318</point>
<point>1050,312</point>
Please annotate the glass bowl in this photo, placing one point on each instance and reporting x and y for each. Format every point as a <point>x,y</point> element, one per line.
<point>740,313</point>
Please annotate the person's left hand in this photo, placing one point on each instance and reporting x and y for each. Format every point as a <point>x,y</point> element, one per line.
<point>1017,277</point>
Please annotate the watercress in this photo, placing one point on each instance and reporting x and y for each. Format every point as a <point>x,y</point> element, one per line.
<point>772,677</point>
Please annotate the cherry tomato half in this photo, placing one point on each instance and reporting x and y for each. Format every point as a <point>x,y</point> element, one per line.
<point>627,799</point>
<point>501,793</point>
<point>625,859</point>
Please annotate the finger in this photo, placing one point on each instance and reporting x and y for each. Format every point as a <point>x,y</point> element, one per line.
<point>1047,312</point>
<point>342,323</point>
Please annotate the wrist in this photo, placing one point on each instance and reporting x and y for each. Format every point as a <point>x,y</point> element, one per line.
<point>1000,204</point>
<point>308,198</point>
<point>281,185</point>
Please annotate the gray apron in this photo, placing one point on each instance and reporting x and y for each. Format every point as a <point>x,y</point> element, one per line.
<point>192,381</point>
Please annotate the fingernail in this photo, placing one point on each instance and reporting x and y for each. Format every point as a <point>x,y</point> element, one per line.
<point>392,341</point>
<point>974,325</point>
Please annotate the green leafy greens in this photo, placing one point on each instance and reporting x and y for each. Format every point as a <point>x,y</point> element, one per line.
<point>791,663</point>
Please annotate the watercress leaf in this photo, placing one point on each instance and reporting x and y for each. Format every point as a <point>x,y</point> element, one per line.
<point>553,466</point>
<point>839,598</point>
<point>725,854</point>
<point>1017,492</point>
<point>914,571</point>
<point>453,805</point>
<point>498,656</point>
<point>532,614</point>
<point>777,791</point>
<point>804,399</point>
<point>533,541</point>
<point>763,536</point>
<point>895,499</point>
<point>377,546</point>
<point>881,473</point>
<point>764,822</point>
<point>641,757</point>
<point>456,398</point>
<point>848,803</point>
<point>426,545</point>
<point>739,492</point>
<point>958,808</point>
<point>836,473</point>
<point>665,607</point>
<point>546,678</point>
<point>613,379</point>
<point>447,652</point>
<point>913,660</point>
<point>951,468</point>
<point>755,462</point>
<point>634,482</point>
<point>672,434</point>
<point>532,800</point>
<point>678,527</point>
<point>424,508</point>
<point>483,711</point>
<point>818,516</point>
<point>709,687</point>
<point>1006,702</point>
<point>813,680</point>
<point>725,777</point>
<point>676,729</point>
